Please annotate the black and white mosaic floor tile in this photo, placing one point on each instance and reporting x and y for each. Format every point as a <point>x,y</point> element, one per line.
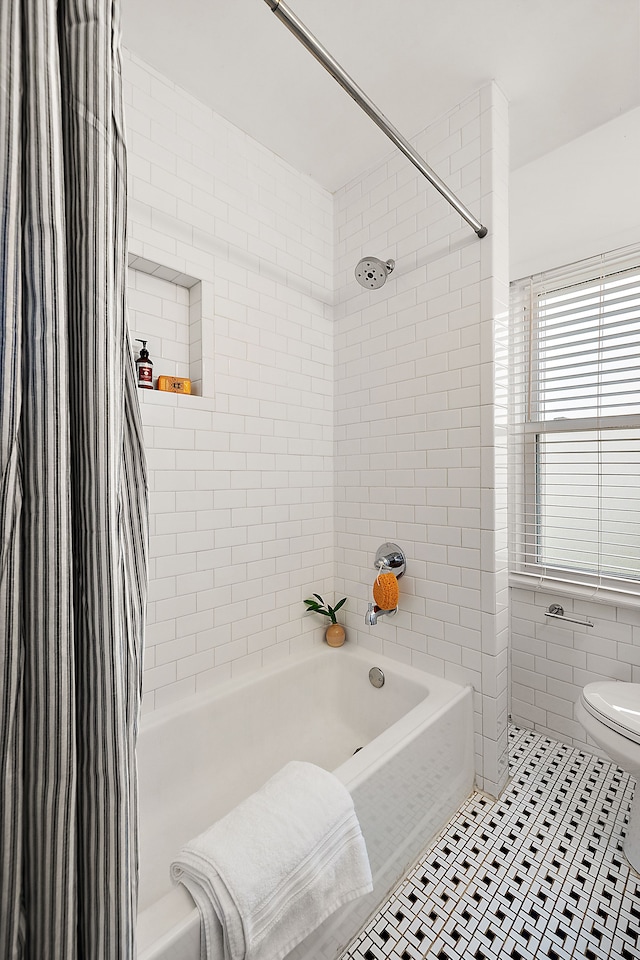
<point>537,874</point>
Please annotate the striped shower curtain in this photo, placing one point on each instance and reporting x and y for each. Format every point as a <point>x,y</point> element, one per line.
<point>73,500</point>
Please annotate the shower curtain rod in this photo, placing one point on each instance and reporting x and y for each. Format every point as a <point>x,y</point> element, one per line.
<point>315,48</point>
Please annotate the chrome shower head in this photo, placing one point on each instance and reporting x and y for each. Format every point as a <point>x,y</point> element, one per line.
<point>372,273</point>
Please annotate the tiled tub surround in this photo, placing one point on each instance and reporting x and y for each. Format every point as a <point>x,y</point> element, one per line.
<point>331,419</point>
<point>535,875</point>
<point>198,759</point>
<point>421,411</point>
<point>240,249</point>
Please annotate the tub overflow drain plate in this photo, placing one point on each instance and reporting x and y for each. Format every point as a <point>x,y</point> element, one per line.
<point>376,677</point>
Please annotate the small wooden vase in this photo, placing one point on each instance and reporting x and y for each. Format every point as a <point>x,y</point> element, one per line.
<point>335,635</point>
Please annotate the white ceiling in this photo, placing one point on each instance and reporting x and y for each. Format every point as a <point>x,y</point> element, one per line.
<point>566,67</point>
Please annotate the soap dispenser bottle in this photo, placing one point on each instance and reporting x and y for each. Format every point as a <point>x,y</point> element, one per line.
<point>144,368</point>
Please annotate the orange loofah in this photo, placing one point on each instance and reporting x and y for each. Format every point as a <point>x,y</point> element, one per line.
<point>385,591</point>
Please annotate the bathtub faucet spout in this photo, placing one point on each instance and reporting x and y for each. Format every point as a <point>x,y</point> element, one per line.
<point>372,614</point>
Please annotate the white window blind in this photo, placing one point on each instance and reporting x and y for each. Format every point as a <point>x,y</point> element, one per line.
<point>575,426</point>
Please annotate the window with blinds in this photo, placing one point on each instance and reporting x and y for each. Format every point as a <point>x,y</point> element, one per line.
<point>575,425</point>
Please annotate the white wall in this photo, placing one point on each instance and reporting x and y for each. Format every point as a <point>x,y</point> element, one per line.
<point>418,415</point>
<point>577,201</point>
<point>241,477</point>
<point>329,419</point>
<point>245,518</point>
<point>552,660</point>
<point>581,200</point>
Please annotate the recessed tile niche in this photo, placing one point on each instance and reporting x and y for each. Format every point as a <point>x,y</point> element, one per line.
<point>165,309</point>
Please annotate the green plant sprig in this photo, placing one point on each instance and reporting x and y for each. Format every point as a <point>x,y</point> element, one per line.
<point>318,606</point>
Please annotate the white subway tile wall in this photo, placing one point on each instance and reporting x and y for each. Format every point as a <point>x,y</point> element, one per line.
<point>552,660</point>
<point>332,419</point>
<point>241,477</point>
<point>421,410</point>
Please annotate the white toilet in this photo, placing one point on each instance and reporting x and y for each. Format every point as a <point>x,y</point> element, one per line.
<point>609,711</point>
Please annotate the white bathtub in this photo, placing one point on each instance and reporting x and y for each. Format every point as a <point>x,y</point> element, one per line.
<point>200,758</point>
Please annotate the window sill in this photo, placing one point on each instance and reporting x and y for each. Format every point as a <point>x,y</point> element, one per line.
<point>610,595</point>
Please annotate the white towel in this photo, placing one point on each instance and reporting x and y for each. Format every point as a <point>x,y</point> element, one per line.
<point>276,866</point>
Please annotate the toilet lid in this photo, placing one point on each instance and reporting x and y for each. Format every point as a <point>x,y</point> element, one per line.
<point>615,704</point>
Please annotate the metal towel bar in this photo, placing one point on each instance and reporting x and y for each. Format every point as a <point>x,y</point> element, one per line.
<point>556,611</point>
